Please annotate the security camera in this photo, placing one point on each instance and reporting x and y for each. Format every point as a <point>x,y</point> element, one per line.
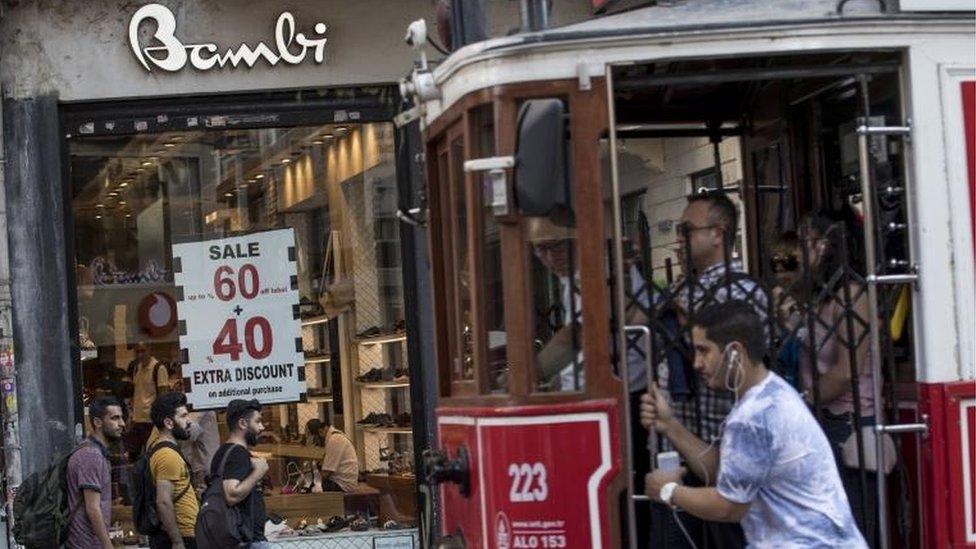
<point>416,36</point>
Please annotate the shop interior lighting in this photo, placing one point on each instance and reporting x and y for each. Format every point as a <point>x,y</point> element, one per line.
<point>328,136</point>
<point>123,184</point>
<point>259,176</point>
<point>169,145</point>
<point>121,202</point>
<point>99,205</point>
<point>318,142</point>
<point>229,195</point>
<point>286,160</point>
<point>113,193</point>
<point>147,163</point>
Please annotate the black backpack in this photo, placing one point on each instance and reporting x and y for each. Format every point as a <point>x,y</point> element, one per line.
<point>144,513</point>
<point>218,524</point>
<point>41,516</point>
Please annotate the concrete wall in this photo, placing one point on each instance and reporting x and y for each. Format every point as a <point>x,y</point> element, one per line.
<point>80,50</point>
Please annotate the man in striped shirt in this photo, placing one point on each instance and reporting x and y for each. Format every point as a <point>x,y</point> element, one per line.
<point>705,236</point>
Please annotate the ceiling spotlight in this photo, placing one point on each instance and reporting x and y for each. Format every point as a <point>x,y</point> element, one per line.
<point>123,184</point>
<point>169,145</point>
<point>318,142</point>
<point>113,193</point>
<point>99,205</point>
<point>259,176</point>
<point>128,215</point>
<point>98,217</point>
<point>342,128</point>
<point>328,136</point>
<point>229,195</point>
<point>255,180</point>
<point>286,160</point>
<point>147,163</point>
<point>121,202</point>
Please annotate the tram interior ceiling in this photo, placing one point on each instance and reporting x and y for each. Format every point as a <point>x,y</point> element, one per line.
<point>779,136</point>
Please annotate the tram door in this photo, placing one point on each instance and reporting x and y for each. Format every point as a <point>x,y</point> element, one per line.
<point>785,190</point>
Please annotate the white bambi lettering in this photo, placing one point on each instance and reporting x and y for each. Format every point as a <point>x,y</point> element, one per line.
<point>170,54</point>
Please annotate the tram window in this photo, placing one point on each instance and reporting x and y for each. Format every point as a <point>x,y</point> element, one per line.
<point>557,307</point>
<point>464,368</point>
<point>490,283</point>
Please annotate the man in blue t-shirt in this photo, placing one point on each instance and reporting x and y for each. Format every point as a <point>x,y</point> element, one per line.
<point>773,470</point>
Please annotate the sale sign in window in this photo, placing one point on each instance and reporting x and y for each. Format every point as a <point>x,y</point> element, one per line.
<point>238,316</point>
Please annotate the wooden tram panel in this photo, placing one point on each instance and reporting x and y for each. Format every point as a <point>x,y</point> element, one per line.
<point>466,405</point>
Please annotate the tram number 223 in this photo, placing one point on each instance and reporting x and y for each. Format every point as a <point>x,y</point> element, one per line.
<point>529,482</point>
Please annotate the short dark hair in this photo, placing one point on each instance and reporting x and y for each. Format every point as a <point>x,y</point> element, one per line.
<point>98,408</point>
<point>165,406</point>
<point>721,211</point>
<point>240,408</point>
<point>731,321</point>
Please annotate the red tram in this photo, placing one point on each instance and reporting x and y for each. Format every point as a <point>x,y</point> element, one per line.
<point>557,164</point>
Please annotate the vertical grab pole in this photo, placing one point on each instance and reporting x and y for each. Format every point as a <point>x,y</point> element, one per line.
<point>619,300</point>
<point>870,262</point>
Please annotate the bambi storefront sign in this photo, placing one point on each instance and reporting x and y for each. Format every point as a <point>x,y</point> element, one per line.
<point>166,51</point>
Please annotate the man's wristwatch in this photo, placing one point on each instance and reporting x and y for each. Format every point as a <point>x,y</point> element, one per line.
<point>667,492</point>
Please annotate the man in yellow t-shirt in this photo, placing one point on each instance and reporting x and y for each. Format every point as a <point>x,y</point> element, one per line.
<point>340,465</point>
<point>176,501</point>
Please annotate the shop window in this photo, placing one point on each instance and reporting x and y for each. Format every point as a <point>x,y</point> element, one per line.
<point>135,197</point>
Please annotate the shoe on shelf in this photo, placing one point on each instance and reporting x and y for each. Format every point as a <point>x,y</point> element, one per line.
<point>359,524</point>
<point>372,331</point>
<point>371,419</point>
<point>372,376</point>
<point>336,523</point>
<point>400,374</point>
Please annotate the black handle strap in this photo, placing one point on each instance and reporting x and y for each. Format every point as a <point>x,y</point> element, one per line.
<point>175,448</point>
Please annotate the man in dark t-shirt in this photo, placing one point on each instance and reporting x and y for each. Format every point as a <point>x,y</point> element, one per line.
<point>242,473</point>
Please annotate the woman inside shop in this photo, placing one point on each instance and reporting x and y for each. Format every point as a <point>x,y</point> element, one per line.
<point>838,333</point>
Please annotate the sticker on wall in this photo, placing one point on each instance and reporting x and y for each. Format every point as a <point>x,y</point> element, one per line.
<point>238,319</point>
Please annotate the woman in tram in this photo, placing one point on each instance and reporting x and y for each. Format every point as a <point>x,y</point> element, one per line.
<point>838,324</point>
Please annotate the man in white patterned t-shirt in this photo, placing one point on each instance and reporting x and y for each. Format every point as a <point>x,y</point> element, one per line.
<point>773,469</point>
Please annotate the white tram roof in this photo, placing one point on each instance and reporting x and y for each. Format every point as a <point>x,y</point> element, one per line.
<point>689,29</point>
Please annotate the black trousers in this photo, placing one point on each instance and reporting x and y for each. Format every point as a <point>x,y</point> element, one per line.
<point>670,529</point>
<point>641,458</point>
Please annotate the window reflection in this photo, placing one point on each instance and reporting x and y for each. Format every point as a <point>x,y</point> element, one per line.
<point>557,305</point>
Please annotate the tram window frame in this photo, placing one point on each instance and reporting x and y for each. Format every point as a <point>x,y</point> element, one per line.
<point>445,186</point>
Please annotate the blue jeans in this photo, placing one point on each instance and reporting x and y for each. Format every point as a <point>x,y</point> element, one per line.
<point>865,509</point>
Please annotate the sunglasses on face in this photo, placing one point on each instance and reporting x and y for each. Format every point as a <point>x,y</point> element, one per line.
<point>785,263</point>
<point>548,245</point>
<point>686,228</point>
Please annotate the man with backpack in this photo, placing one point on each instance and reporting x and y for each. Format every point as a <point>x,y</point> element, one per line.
<point>175,501</point>
<point>89,478</point>
<point>233,512</point>
<point>149,380</point>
